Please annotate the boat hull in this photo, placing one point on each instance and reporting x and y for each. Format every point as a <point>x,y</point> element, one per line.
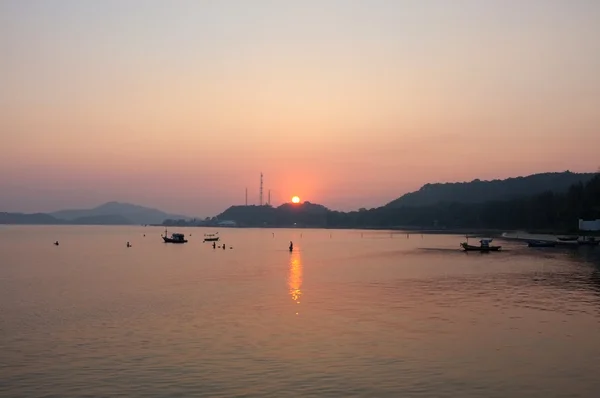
<point>568,238</point>
<point>211,239</point>
<point>169,240</point>
<point>469,248</point>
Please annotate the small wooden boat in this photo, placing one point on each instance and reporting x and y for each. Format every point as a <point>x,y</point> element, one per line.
<point>567,238</point>
<point>175,238</point>
<point>540,243</point>
<point>484,246</point>
<point>211,237</point>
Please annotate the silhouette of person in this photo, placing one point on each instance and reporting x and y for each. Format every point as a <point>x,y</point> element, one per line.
<point>214,245</point>
<point>291,246</point>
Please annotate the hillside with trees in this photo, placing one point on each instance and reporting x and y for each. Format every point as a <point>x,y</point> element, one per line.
<point>305,215</point>
<point>28,219</point>
<point>549,211</point>
<point>544,211</point>
<point>478,191</point>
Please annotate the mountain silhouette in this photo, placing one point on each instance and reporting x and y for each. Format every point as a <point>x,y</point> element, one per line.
<point>28,219</point>
<point>116,213</point>
<point>478,191</point>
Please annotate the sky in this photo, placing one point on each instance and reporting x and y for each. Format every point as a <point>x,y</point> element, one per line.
<point>181,105</point>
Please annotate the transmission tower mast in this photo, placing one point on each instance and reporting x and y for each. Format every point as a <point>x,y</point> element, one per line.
<point>261,189</point>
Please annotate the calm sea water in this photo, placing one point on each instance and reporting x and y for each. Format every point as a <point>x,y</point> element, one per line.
<point>345,314</point>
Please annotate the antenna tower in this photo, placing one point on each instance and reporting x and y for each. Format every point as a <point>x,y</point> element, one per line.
<point>269,201</point>
<point>261,189</point>
<point>246,196</point>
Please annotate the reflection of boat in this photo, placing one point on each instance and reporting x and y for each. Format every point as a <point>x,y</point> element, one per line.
<point>175,238</point>
<point>540,243</point>
<point>211,237</point>
<point>567,238</point>
<point>484,246</point>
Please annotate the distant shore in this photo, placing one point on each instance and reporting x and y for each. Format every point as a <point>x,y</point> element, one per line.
<point>395,229</point>
<point>505,234</point>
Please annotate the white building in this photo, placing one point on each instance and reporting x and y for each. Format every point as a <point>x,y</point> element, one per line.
<point>227,223</point>
<point>589,225</point>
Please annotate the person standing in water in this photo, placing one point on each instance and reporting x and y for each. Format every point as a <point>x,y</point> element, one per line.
<point>214,245</point>
<point>291,246</point>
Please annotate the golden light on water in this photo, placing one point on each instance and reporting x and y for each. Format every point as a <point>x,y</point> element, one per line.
<point>295,276</point>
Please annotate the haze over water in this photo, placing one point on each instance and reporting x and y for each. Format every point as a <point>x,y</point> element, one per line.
<point>343,315</point>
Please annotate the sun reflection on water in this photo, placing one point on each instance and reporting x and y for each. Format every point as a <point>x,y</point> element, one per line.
<point>295,276</point>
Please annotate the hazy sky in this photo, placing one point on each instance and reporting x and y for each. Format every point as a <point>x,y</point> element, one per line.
<point>181,104</point>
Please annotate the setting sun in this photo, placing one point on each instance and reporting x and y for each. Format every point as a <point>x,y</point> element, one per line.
<point>295,199</point>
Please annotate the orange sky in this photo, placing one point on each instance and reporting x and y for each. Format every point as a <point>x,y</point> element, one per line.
<point>181,106</point>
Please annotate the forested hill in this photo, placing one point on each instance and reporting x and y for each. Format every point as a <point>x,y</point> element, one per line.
<point>478,191</point>
<point>546,211</point>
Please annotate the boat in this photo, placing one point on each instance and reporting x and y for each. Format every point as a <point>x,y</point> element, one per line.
<point>568,238</point>
<point>175,238</point>
<point>484,246</point>
<point>211,237</point>
<point>540,243</point>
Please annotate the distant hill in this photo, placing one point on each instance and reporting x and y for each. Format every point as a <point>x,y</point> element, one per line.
<point>30,219</point>
<point>101,220</point>
<point>478,191</point>
<point>113,213</point>
<point>305,214</point>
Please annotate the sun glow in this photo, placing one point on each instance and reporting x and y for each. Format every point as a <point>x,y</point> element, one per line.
<point>295,199</point>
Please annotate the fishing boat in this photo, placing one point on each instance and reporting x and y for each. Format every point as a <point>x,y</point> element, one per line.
<point>567,238</point>
<point>484,246</point>
<point>175,238</point>
<point>211,237</point>
<point>540,243</point>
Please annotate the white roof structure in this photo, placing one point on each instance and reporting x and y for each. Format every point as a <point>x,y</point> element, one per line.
<point>593,225</point>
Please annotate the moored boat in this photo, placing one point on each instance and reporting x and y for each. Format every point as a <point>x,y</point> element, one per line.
<point>484,246</point>
<point>567,238</point>
<point>175,238</point>
<point>211,237</point>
